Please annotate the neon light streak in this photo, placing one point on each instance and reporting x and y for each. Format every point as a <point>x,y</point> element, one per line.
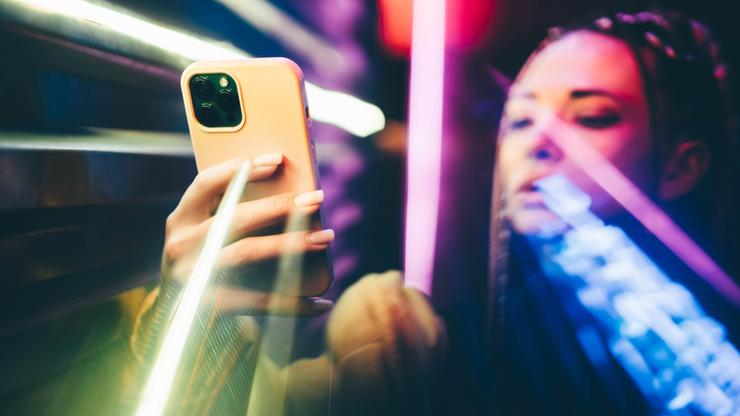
<point>157,390</point>
<point>265,397</point>
<point>424,141</point>
<point>642,208</point>
<point>345,111</point>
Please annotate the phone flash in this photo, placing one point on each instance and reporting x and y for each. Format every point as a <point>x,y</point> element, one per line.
<point>223,82</point>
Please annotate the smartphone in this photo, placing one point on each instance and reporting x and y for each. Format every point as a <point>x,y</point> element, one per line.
<point>249,107</point>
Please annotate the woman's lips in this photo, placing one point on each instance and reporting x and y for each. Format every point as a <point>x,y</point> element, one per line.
<point>530,199</point>
<point>528,196</point>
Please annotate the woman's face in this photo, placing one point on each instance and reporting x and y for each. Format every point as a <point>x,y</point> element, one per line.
<point>591,83</point>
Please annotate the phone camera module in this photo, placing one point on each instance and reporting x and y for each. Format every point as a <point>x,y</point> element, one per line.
<point>202,87</point>
<point>227,100</point>
<point>215,100</point>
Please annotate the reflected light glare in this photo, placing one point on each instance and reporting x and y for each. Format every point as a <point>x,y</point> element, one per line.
<point>264,397</point>
<point>345,111</point>
<point>609,178</point>
<point>425,141</point>
<point>157,390</point>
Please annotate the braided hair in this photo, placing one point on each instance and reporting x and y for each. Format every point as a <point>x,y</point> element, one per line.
<point>688,90</point>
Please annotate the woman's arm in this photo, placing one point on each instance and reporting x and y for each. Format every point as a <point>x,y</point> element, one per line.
<point>220,356</point>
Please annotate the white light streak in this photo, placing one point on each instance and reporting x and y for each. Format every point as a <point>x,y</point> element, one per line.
<point>277,24</point>
<point>170,40</point>
<point>157,390</point>
<point>345,111</point>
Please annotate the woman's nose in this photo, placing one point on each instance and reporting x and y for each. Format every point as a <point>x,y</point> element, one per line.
<point>542,153</point>
<point>542,149</point>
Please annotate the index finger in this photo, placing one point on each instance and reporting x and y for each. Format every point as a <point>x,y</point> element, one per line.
<point>203,195</point>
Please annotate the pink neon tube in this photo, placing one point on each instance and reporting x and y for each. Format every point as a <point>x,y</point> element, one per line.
<point>424,141</point>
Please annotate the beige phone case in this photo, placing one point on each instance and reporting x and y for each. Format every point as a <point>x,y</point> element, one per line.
<point>274,119</point>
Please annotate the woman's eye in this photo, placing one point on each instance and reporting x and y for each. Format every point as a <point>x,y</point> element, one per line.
<point>519,123</point>
<point>598,121</point>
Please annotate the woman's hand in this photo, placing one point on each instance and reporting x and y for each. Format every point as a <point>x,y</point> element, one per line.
<point>398,322</point>
<point>189,223</point>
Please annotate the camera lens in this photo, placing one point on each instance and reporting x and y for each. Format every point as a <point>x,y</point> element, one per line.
<point>201,87</point>
<point>207,114</point>
<point>227,100</point>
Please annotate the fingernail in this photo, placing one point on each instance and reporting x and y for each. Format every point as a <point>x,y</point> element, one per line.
<point>309,198</point>
<point>322,304</point>
<point>321,237</point>
<point>269,159</point>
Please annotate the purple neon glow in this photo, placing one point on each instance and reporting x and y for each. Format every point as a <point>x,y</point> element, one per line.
<point>424,141</point>
<point>642,208</point>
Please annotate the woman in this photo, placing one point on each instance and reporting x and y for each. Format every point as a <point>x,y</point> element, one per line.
<point>647,91</point>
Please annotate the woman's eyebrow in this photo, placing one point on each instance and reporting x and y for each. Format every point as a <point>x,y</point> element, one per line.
<point>575,94</point>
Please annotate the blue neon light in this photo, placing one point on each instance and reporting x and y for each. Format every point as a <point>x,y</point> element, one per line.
<point>678,357</point>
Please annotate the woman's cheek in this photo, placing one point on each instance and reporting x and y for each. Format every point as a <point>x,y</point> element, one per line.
<point>508,162</point>
<point>623,150</point>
